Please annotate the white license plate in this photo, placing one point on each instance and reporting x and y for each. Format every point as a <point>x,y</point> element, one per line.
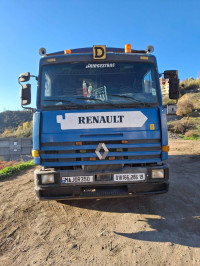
<point>77,179</point>
<point>129,177</point>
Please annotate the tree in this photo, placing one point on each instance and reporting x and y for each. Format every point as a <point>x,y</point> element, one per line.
<point>184,106</point>
<point>191,79</point>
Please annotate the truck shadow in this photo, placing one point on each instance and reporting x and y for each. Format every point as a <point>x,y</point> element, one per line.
<point>180,230</point>
<point>173,217</point>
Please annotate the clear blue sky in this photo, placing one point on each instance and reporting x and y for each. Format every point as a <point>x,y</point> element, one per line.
<point>171,26</point>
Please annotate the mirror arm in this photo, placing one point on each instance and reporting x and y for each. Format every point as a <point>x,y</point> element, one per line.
<point>19,82</point>
<point>33,110</point>
<point>36,77</point>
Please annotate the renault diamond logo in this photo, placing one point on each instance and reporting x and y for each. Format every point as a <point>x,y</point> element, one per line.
<point>105,153</point>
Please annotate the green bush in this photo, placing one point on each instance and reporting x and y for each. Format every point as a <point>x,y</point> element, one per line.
<point>166,100</point>
<point>10,170</point>
<point>193,134</point>
<point>194,137</point>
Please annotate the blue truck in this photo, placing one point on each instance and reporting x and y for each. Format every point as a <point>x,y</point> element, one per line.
<point>99,127</point>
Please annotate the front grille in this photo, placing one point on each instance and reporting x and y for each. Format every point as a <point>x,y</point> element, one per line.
<point>70,154</point>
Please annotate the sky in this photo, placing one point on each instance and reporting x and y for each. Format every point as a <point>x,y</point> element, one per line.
<point>171,26</point>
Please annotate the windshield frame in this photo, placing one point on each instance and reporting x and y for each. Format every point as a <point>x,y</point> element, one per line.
<point>113,58</point>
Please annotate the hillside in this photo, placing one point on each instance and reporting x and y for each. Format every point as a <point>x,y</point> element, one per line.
<point>12,119</point>
<point>195,98</point>
<point>188,127</point>
<point>189,87</point>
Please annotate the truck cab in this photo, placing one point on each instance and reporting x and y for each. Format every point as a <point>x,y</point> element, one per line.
<point>99,128</point>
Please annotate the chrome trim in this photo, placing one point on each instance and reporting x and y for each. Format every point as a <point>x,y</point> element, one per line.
<point>97,151</point>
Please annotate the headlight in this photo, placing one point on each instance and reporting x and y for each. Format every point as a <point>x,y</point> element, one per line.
<point>47,179</point>
<point>158,173</point>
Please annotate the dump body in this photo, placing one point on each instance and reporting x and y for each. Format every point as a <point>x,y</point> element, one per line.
<point>100,128</point>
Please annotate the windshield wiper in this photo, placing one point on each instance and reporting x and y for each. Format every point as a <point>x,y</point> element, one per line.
<point>98,100</point>
<point>129,97</point>
<point>64,101</point>
<point>56,100</point>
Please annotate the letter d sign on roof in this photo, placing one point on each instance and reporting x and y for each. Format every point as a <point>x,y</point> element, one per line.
<point>99,52</point>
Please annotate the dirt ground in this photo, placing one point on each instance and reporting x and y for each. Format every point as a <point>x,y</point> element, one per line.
<point>156,230</point>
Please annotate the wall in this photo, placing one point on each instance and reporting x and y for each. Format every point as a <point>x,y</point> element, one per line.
<point>15,149</point>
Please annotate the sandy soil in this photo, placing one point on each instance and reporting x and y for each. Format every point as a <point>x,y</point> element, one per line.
<point>157,230</point>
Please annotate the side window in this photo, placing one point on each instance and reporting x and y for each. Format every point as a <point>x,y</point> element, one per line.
<point>47,85</point>
<point>149,84</point>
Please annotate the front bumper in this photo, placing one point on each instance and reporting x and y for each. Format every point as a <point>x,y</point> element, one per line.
<point>100,189</point>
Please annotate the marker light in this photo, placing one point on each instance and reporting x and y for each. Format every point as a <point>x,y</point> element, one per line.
<point>78,143</point>
<point>124,141</point>
<point>92,159</point>
<point>51,60</point>
<point>127,48</point>
<point>35,153</point>
<point>111,158</point>
<point>67,52</point>
<point>165,148</point>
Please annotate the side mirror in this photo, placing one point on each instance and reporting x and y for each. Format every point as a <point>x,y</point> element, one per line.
<point>26,94</point>
<point>168,74</point>
<point>173,88</point>
<point>24,77</point>
<point>172,75</point>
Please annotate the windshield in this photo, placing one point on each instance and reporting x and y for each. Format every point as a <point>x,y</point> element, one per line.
<point>98,85</point>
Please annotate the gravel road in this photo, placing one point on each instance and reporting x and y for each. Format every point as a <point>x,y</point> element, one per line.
<point>156,230</point>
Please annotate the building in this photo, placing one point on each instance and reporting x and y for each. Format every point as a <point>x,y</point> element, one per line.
<point>171,109</point>
<point>164,85</point>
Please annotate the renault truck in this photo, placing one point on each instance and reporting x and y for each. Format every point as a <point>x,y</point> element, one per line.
<point>99,127</point>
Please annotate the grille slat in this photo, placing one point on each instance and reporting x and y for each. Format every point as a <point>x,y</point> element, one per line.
<point>105,162</point>
<point>56,147</point>
<point>87,155</point>
<point>107,142</point>
<point>70,154</point>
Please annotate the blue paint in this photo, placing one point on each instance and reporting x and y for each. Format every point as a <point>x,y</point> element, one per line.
<point>36,131</point>
<point>86,155</point>
<point>50,125</point>
<point>36,135</point>
<point>164,131</point>
<point>109,146</point>
<point>37,160</point>
<point>139,161</point>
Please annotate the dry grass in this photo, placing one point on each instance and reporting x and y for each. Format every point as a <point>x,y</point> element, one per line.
<point>194,98</point>
<point>182,126</point>
<point>189,85</point>
<point>189,128</point>
<point>191,133</point>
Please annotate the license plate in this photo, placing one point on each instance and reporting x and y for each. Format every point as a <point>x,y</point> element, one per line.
<point>129,177</point>
<point>77,179</point>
